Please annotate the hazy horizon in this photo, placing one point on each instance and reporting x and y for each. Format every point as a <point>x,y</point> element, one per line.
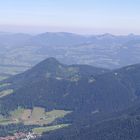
<point>80,16</point>
<point>76,33</point>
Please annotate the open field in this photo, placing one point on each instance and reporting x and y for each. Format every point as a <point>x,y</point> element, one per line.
<point>3,77</point>
<point>41,130</point>
<point>4,85</point>
<point>5,92</point>
<point>36,116</point>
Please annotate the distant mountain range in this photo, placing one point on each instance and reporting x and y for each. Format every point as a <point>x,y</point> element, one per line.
<point>103,104</point>
<point>22,51</point>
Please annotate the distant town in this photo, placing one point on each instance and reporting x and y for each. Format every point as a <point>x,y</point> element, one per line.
<point>21,136</point>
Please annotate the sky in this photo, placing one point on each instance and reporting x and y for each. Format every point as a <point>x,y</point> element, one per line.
<point>78,16</point>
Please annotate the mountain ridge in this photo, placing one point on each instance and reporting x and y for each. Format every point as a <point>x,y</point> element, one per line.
<point>91,95</point>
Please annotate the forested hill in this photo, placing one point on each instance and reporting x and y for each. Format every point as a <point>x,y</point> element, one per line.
<point>49,82</point>
<point>125,126</point>
<point>91,95</point>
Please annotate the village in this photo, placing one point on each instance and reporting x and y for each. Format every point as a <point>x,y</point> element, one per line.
<point>20,136</point>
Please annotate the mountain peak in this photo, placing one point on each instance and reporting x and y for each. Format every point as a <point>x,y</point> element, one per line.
<point>49,63</point>
<point>51,60</point>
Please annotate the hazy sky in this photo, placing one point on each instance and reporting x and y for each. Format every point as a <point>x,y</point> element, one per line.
<point>81,16</point>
